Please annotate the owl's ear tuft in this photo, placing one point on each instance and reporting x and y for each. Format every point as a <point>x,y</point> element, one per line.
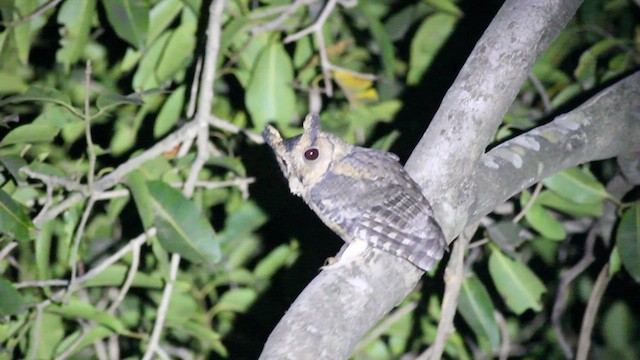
<point>272,136</point>
<point>311,126</point>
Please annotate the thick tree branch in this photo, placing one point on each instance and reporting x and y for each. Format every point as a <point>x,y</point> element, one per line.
<point>339,306</point>
<point>605,126</point>
<point>474,106</point>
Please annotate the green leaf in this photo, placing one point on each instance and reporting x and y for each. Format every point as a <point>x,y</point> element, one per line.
<point>161,16</point>
<point>123,139</point>
<point>181,227</point>
<point>58,116</point>
<point>116,274</point>
<point>11,83</point>
<point>142,197</point>
<point>552,200</point>
<point>38,93</point>
<point>106,101</point>
<point>270,97</point>
<point>182,306</point>
<point>615,263</point>
<point>540,219</point>
<point>30,133</point>
<point>145,77</point>
<point>206,335</point>
<point>578,186</point>
<point>172,61</point>
<point>130,20</point>
<point>477,310</point>
<point>430,37</point>
<point>13,163</point>
<point>24,33</point>
<point>49,334</point>
<point>384,143</point>
<point>236,300</point>
<point>380,35</point>
<point>169,113</point>
<point>73,343</point>
<point>506,235</point>
<point>628,241</point>
<point>283,255</point>
<point>241,222</point>
<point>11,302</point>
<point>618,327</point>
<point>46,169</point>
<point>76,17</point>
<point>399,22</point>
<point>230,163</point>
<point>42,249</point>
<point>447,6</point>
<point>586,69</point>
<point>79,309</point>
<point>13,220</point>
<point>519,286</point>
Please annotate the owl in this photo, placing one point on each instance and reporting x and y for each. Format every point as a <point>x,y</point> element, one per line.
<point>364,195</point>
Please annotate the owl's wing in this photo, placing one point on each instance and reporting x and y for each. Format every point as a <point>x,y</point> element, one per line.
<point>404,226</point>
<point>385,208</point>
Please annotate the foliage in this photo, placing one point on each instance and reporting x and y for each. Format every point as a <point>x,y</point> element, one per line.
<point>99,105</point>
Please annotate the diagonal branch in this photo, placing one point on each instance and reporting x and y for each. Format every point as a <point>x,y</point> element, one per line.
<point>474,106</point>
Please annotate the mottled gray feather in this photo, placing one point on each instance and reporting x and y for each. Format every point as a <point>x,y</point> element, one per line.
<point>388,210</point>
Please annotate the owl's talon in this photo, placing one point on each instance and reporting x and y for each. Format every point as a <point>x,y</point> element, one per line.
<point>352,252</point>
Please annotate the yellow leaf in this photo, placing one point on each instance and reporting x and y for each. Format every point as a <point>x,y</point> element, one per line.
<point>358,89</point>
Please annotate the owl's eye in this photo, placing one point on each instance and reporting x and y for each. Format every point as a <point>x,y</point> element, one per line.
<point>311,154</point>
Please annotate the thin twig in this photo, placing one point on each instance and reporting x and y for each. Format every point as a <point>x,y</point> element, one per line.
<point>113,194</point>
<point>53,180</point>
<point>285,13</point>
<point>206,93</point>
<point>384,326</point>
<point>529,203</point>
<point>162,309</point>
<point>36,331</point>
<point>186,132</point>
<point>113,347</point>
<point>541,91</point>
<point>566,278</point>
<point>56,210</point>
<point>47,202</point>
<point>195,85</point>
<point>139,240</point>
<point>42,283</point>
<point>316,28</point>
<point>131,275</point>
<point>584,343</point>
<point>100,349</point>
<point>232,128</point>
<point>74,345</point>
<point>76,246</point>
<point>505,346</point>
<point>7,249</point>
<point>87,127</point>
<point>453,276</point>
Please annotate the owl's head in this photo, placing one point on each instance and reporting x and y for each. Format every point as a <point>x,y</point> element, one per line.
<point>306,158</point>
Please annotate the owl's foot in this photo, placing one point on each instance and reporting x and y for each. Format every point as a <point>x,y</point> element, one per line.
<point>352,252</point>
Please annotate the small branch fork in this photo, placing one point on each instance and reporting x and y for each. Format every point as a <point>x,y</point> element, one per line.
<point>454,277</point>
<point>203,114</point>
<point>315,29</point>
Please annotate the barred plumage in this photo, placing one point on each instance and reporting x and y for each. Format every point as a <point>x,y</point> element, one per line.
<point>361,194</point>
